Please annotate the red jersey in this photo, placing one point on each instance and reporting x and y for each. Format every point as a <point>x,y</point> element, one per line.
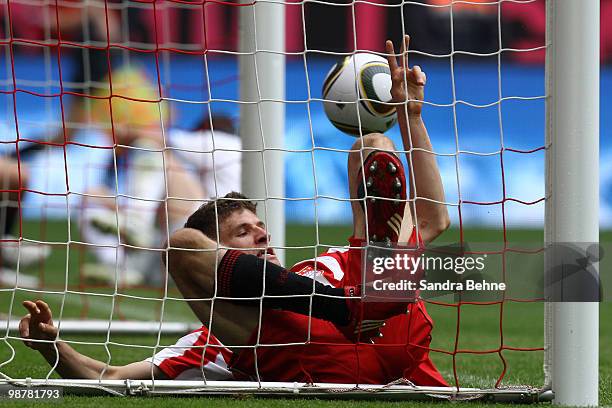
<point>295,347</point>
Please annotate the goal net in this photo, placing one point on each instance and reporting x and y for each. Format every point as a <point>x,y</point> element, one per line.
<point>120,118</point>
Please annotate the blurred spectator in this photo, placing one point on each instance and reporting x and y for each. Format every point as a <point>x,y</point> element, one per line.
<point>474,26</point>
<point>139,31</point>
<point>606,31</point>
<point>85,29</point>
<point>346,26</point>
<point>333,26</point>
<point>155,179</point>
<point>525,28</point>
<point>13,252</point>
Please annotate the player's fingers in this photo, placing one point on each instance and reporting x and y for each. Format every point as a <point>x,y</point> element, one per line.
<point>366,329</point>
<point>31,306</point>
<point>404,51</point>
<point>41,303</point>
<point>27,304</point>
<point>48,329</point>
<point>24,326</point>
<point>419,75</point>
<point>369,336</point>
<point>369,325</point>
<point>391,59</point>
<point>45,310</point>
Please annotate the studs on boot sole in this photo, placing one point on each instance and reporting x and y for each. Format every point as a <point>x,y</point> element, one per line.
<point>397,184</point>
<point>373,166</point>
<point>397,201</point>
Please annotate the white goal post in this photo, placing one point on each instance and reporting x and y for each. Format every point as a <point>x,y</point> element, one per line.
<point>572,190</point>
<point>262,112</point>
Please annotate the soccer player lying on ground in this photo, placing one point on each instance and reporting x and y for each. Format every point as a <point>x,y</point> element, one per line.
<point>340,343</point>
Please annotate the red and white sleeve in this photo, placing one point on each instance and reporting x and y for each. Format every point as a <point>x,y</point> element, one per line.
<point>195,356</point>
<point>328,268</point>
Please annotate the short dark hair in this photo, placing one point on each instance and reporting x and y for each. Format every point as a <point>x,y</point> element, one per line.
<point>205,218</point>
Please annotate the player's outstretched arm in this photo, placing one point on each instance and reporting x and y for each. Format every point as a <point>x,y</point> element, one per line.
<point>408,86</point>
<point>38,325</point>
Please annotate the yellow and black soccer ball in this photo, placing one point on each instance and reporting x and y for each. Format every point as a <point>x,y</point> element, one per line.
<point>357,94</point>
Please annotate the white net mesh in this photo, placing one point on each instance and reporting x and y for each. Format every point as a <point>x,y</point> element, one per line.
<point>122,116</point>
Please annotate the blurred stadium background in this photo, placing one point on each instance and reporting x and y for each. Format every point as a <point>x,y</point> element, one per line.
<point>183,40</point>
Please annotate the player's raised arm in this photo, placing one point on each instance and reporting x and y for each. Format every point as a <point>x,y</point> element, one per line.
<point>408,89</point>
<point>38,325</point>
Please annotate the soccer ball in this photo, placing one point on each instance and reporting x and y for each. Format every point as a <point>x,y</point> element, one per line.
<point>359,82</point>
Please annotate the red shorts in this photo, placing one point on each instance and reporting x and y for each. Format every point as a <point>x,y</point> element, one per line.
<point>402,352</point>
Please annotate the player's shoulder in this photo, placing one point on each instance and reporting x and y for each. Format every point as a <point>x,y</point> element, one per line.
<point>331,263</point>
<point>339,254</point>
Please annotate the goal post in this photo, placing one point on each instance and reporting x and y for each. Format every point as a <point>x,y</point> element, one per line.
<point>262,111</point>
<point>572,189</point>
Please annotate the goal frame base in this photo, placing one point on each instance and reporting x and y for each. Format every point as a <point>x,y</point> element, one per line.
<point>522,394</point>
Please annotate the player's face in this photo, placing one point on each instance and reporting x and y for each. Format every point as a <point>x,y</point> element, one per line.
<point>243,229</point>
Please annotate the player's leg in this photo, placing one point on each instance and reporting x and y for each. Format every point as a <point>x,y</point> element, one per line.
<point>98,222</point>
<point>9,184</point>
<point>142,189</point>
<point>13,176</point>
<point>105,232</point>
<point>9,212</point>
<point>375,170</point>
<point>185,193</point>
<point>217,162</point>
<point>132,213</point>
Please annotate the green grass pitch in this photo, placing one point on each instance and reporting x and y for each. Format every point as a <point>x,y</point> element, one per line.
<point>479,325</point>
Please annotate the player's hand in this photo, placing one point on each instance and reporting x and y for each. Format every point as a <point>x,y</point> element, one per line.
<point>408,84</point>
<point>37,325</point>
<point>366,331</point>
<point>366,318</point>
